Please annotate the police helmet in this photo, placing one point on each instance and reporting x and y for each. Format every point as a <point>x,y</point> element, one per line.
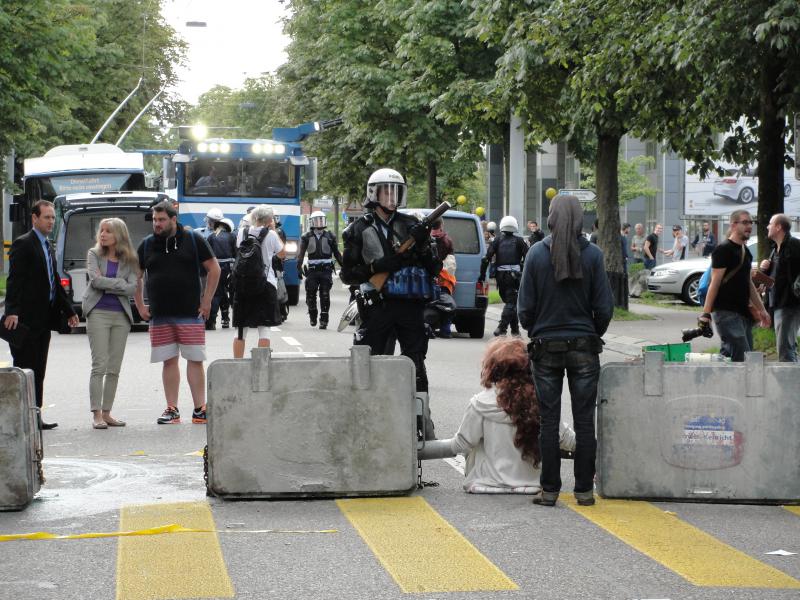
<point>391,181</point>
<point>509,224</point>
<point>227,223</point>
<point>491,227</point>
<point>317,220</point>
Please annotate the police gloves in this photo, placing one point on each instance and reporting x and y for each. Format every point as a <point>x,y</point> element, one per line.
<point>388,264</point>
<point>420,232</point>
<point>299,271</point>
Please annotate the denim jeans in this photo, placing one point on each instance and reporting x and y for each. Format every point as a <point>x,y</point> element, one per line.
<point>583,372</point>
<point>736,332</point>
<point>787,323</point>
<point>649,263</point>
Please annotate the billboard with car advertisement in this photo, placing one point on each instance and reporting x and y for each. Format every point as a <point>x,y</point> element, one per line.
<point>719,196</point>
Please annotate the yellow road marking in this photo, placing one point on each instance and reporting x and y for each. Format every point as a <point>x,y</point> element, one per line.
<point>793,509</point>
<point>420,550</point>
<point>691,553</point>
<point>170,566</point>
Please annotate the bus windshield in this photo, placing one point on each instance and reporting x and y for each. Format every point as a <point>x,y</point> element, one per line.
<point>260,178</point>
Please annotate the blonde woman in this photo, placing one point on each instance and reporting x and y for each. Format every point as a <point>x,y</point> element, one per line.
<point>113,269</point>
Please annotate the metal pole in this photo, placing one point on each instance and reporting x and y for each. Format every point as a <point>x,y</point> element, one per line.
<point>114,114</point>
<point>132,123</point>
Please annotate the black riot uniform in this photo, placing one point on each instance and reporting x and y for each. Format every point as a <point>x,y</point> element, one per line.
<point>321,247</point>
<point>223,243</point>
<point>508,251</point>
<point>398,309</point>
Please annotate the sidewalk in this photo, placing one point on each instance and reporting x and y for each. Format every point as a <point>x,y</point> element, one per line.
<point>628,337</point>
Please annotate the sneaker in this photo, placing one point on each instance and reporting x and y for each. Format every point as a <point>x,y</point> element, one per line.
<point>169,416</point>
<point>225,324</point>
<point>313,321</point>
<point>585,498</point>
<point>323,324</point>
<point>199,415</point>
<point>545,498</point>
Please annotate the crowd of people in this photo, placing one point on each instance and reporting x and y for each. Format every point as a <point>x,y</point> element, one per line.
<point>554,287</point>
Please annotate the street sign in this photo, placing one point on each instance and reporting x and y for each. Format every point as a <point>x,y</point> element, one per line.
<point>584,196</point>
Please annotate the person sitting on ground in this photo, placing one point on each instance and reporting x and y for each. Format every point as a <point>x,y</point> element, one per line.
<point>499,432</point>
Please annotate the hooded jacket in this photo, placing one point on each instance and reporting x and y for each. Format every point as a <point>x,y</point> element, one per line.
<point>486,436</point>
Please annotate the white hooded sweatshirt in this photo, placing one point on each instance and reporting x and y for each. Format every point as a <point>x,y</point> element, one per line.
<point>486,436</point>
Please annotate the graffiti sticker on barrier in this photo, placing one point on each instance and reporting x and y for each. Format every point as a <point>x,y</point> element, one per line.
<point>709,431</point>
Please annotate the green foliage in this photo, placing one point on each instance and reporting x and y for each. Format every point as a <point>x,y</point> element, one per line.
<point>494,297</point>
<point>630,179</point>
<point>67,65</point>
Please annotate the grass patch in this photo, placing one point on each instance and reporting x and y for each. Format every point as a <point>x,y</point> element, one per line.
<point>763,341</point>
<point>665,301</point>
<point>3,285</point>
<point>620,314</point>
<point>494,297</point>
<point>634,269</point>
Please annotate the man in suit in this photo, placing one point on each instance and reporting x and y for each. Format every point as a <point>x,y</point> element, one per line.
<point>34,296</point>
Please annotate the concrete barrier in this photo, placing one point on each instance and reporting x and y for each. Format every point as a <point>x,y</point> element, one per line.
<point>20,440</point>
<point>311,427</point>
<point>717,432</point>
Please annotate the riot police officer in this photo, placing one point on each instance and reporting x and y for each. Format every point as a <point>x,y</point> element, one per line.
<point>371,246</point>
<point>508,251</point>
<point>322,249</point>
<point>223,243</point>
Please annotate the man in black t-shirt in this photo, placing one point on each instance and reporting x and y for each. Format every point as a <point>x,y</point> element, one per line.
<point>731,291</point>
<point>650,249</point>
<point>172,259</point>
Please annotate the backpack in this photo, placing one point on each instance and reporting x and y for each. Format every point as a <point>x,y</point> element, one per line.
<point>249,277</point>
<point>702,287</point>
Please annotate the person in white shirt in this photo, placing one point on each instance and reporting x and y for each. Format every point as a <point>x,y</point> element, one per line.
<point>261,310</point>
<point>499,433</point>
<point>679,245</point>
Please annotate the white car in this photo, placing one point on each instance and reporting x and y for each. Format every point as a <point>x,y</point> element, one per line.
<point>682,277</point>
<point>742,186</point>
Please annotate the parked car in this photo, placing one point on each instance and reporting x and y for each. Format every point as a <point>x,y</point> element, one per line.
<point>681,278</point>
<point>742,186</point>
<point>78,217</point>
<point>471,296</point>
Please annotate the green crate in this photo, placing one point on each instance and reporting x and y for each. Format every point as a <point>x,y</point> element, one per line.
<point>672,352</point>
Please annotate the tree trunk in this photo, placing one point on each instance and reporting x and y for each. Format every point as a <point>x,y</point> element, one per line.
<point>771,147</point>
<point>431,184</point>
<point>608,236</point>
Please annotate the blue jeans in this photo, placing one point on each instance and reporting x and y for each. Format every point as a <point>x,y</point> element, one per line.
<point>787,323</point>
<point>736,332</point>
<point>583,372</point>
<point>649,263</point>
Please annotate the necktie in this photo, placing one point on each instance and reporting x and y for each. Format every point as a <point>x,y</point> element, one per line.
<point>50,269</point>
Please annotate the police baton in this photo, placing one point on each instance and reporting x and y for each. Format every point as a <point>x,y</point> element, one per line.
<point>379,279</point>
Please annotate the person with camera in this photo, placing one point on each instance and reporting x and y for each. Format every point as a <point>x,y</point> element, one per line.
<point>565,303</point>
<point>731,293</point>
<point>783,265</point>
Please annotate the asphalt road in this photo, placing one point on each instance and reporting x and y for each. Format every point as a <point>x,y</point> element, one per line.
<point>146,475</point>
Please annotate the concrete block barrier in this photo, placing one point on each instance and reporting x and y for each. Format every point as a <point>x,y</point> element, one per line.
<point>311,427</point>
<point>20,440</point>
<point>715,432</point>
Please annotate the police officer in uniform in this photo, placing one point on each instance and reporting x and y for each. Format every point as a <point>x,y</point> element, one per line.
<point>223,243</point>
<point>322,248</point>
<point>508,251</point>
<point>370,247</point>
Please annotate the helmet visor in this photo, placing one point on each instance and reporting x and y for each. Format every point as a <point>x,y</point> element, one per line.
<point>391,196</point>
<point>317,222</point>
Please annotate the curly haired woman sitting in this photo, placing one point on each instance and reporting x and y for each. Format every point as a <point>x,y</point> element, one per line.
<point>500,430</point>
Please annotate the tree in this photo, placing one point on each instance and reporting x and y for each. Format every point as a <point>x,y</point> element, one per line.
<point>749,57</point>
<point>44,46</point>
<point>631,182</point>
<point>587,72</point>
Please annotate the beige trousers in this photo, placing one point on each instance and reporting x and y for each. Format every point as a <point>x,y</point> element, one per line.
<point>108,333</point>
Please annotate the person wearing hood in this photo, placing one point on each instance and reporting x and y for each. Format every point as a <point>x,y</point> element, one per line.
<point>565,303</point>
<point>173,259</point>
<point>500,428</point>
